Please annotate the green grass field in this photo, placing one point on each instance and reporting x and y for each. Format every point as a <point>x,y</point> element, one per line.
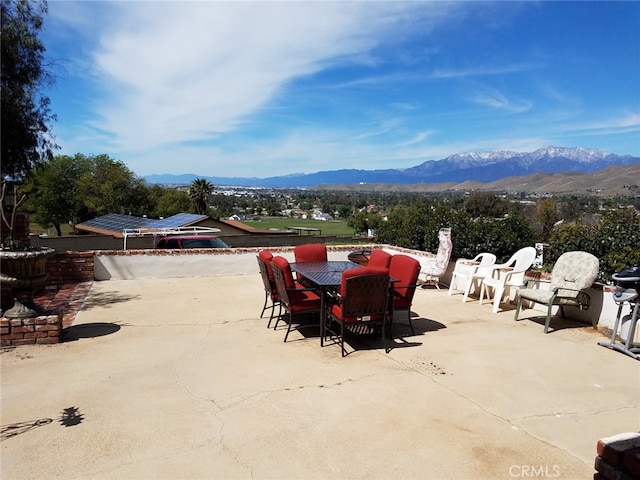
<point>334,227</point>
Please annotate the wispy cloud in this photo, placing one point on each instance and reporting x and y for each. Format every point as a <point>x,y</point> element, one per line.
<point>497,100</point>
<point>185,71</point>
<point>485,70</point>
<point>418,138</point>
<point>260,88</point>
<point>624,123</point>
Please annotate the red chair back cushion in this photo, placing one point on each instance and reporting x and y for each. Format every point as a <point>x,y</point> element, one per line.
<point>379,258</point>
<point>266,257</point>
<point>283,264</point>
<point>311,252</point>
<point>354,272</point>
<point>405,269</point>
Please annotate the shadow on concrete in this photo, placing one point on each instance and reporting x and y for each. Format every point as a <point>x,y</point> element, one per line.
<point>106,299</point>
<point>13,429</point>
<point>71,417</point>
<point>558,323</point>
<point>88,330</point>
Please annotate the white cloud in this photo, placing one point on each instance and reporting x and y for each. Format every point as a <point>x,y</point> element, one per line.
<point>186,71</point>
<point>497,100</point>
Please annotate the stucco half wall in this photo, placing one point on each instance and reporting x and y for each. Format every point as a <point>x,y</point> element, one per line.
<point>139,264</point>
<point>133,264</point>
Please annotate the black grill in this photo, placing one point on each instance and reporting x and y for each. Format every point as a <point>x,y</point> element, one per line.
<point>627,282</point>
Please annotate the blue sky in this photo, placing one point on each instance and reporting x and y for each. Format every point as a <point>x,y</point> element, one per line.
<point>267,88</point>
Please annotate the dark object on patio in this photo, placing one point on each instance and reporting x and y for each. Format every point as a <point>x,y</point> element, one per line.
<point>270,291</point>
<point>361,257</point>
<point>572,274</point>
<point>294,298</point>
<point>405,270</point>
<point>627,291</point>
<point>361,301</point>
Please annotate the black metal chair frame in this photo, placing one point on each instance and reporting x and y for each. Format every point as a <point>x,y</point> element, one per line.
<point>285,300</point>
<point>374,304</point>
<point>269,291</point>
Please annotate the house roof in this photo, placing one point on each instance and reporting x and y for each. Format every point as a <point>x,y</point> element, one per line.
<point>116,224</point>
<point>254,231</point>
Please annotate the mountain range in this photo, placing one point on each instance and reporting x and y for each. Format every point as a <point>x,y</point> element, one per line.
<point>483,167</point>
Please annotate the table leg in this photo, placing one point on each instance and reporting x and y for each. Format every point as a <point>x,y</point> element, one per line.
<point>323,315</point>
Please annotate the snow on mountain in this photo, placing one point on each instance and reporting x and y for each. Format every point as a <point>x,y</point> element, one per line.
<point>479,166</point>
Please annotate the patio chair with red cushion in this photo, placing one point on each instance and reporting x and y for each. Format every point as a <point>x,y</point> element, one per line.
<point>362,303</point>
<point>310,252</point>
<point>379,258</point>
<point>296,299</point>
<point>270,291</point>
<point>405,270</point>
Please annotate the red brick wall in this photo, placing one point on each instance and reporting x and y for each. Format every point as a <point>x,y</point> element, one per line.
<point>28,331</point>
<point>618,457</point>
<point>62,269</point>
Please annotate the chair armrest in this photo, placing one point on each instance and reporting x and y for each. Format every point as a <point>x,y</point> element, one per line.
<point>334,296</point>
<point>509,273</point>
<point>582,298</point>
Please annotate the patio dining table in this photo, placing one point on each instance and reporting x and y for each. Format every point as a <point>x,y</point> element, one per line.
<point>324,276</point>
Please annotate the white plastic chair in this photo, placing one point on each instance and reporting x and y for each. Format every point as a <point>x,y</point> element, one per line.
<point>432,268</point>
<point>504,277</point>
<point>470,273</point>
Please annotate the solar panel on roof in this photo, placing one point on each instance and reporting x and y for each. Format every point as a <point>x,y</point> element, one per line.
<point>115,222</point>
<point>118,223</point>
<point>177,220</point>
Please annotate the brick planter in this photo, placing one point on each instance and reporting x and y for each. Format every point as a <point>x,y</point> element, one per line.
<point>30,331</point>
<point>69,277</point>
<point>618,457</point>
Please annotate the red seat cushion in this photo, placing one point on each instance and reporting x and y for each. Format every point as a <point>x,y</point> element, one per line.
<point>300,298</point>
<point>304,300</point>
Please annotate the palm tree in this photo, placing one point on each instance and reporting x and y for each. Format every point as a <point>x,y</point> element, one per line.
<point>199,192</point>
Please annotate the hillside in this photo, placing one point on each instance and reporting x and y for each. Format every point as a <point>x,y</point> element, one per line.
<point>611,181</point>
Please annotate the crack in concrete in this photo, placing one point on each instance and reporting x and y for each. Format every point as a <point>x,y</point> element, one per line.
<point>577,414</point>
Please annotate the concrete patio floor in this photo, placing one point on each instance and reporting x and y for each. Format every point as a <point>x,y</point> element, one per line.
<point>180,379</point>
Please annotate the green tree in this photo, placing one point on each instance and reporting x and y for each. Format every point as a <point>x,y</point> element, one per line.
<point>614,239</point>
<point>26,138</point>
<point>547,216</point>
<point>171,202</point>
<point>110,187</point>
<point>485,204</point>
<point>53,191</point>
<point>362,221</point>
<point>199,192</point>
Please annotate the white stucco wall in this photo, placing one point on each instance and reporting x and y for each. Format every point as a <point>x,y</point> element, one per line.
<point>118,265</point>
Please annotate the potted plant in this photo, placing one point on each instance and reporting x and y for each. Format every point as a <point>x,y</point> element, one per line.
<point>21,267</point>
